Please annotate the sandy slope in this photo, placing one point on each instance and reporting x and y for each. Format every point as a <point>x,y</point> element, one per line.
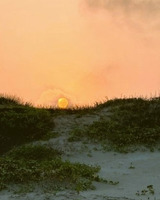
<point>114,166</point>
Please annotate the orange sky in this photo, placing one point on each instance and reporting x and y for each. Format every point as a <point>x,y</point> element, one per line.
<point>85,50</point>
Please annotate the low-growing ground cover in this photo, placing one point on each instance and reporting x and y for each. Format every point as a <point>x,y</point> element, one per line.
<point>37,164</point>
<point>133,122</point>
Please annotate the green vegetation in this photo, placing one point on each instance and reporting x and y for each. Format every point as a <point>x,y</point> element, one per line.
<point>149,190</point>
<point>10,101</point>
<point>23,165</point>
<point>20,123</point>
<point>80,111</point>
<point>29,163</point>
<point>133,122</point>
<point>33,152</point>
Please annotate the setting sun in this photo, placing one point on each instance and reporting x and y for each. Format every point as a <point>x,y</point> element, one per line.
<point>62,103</point>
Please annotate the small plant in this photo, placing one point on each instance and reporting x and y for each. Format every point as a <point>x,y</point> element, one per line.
<point>89,155</point>
<point>131,166</point>
<point>143,192</point>
<point>98,179</point>
<point>149,190</point>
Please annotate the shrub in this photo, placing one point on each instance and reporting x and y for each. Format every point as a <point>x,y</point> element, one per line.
<point>33,152</point>
<point>132,122</point>
<point>23,125</point>
<point>10,100</point>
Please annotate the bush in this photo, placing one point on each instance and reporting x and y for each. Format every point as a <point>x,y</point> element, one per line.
<point>10,100</point>
<point>23,125</point>
<point>33,152</point>
<point>132,122</point>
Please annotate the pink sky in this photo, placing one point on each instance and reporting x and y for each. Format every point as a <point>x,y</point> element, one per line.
<point>84,50</point>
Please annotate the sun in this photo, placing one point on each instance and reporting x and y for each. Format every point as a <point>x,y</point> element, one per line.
<point>63,103</point>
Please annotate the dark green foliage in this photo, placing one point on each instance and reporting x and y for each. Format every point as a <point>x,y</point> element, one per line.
<point>75,135</point>
<point>133,121</point>
<point>136,122</point>
<point>20,125</point>
<point>39,163</point>
<point>76,110</point>
<point>82,110</point>
<point>8,100</point>
<point>120,102</point>
<point>33,152</point>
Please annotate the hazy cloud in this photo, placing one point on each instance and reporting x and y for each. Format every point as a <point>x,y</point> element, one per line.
<point>147,7</point>
<point>136,11</point>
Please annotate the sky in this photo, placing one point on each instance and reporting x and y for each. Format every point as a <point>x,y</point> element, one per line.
<point>84,50</point>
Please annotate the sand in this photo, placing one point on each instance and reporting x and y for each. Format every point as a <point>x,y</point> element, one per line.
<point>134,171</point>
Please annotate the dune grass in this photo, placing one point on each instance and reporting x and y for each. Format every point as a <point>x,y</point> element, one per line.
<point>134,121</point>
<point>7,100</point>
<point>10,100</point>
<point>21,123</point>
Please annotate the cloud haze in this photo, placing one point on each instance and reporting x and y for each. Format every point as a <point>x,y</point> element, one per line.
<point>84,50</point>
<point>144,13</point>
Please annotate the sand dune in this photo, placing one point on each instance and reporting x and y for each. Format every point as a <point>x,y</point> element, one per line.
<point>134,171</point>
